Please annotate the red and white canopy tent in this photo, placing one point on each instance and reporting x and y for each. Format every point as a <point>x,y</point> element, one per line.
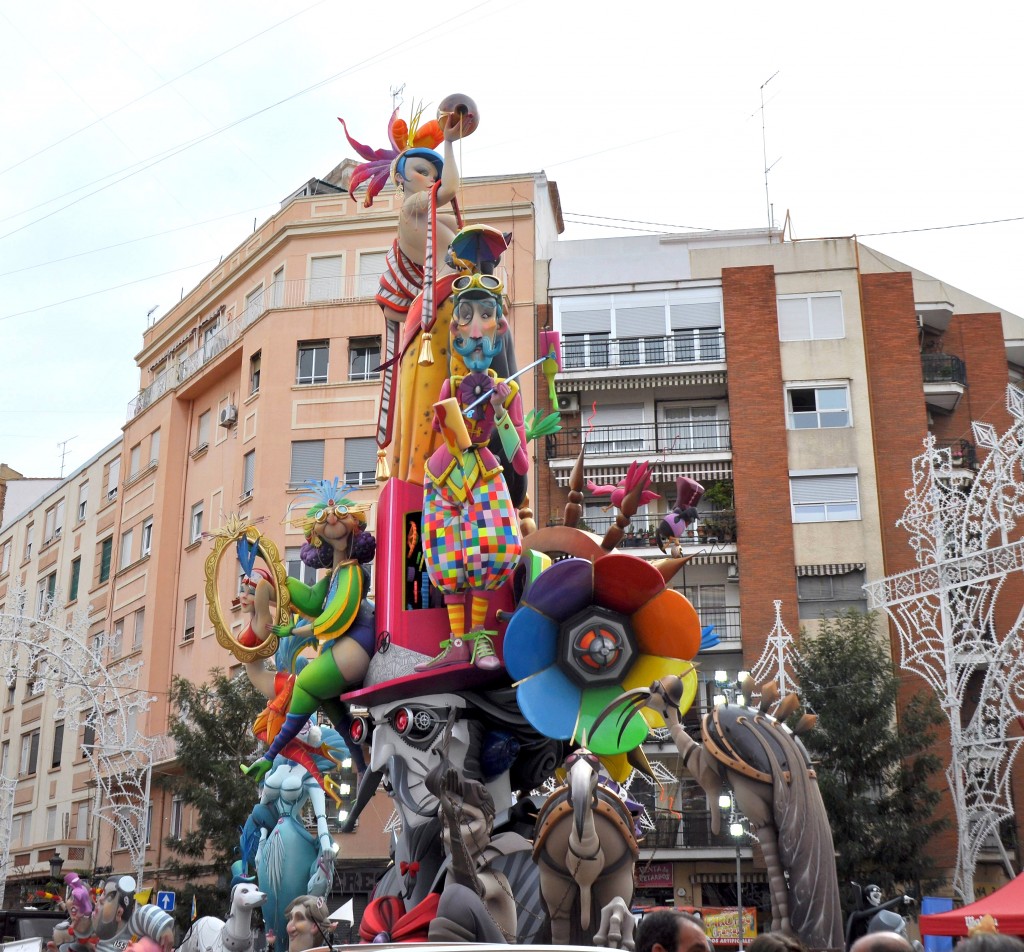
<point>1005,905</point>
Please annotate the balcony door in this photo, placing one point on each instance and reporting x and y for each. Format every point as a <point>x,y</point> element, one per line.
<point>688,429</point>
<point>616,431</point>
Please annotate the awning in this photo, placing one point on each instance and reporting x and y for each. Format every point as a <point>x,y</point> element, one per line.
<point>830,568</point>
<point>727,878</point>
<point>623,378</point>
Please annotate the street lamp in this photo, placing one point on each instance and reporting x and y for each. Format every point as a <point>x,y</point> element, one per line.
<point>736,831</point>
<point>56,865</point>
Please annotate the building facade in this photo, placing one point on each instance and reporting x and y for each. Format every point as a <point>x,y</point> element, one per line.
<point>795,380</point>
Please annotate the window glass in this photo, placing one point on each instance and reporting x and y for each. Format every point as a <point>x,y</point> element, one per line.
<point>312,362</point>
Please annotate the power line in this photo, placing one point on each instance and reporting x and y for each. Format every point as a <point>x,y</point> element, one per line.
<point>966,224</point>
<point>156,89</point>
<point>43,307</point>
<point>147,163</point>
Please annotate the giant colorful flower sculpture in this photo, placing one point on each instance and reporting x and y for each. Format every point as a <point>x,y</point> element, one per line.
<point>584,633</point>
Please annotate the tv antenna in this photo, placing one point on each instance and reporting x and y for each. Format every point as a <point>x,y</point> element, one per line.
<point>149,314</point>
<point>764,153</point>
<point>64,452</point>
<point>396,94</point>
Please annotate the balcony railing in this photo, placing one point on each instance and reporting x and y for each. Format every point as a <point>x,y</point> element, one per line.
<point>689,830</point>
<point>311,292</point>
<point>962,452</point>
<point>641,439</point>
<point>711,526</point>
<point>943,368</point>
<point>592,351</point>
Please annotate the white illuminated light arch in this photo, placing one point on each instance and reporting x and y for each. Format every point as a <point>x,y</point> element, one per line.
<point>945,610</point>
<point>88,691</point>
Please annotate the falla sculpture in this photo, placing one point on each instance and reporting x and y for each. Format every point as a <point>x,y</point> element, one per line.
<point>490,678</point>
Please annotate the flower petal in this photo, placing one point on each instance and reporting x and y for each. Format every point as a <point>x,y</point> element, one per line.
<point>668,625</point>
<point>562,590</point>
<point>650,668</point>
<point>550,702</point>
<point>623,582</point>
<point>531,642</point>
<point>609,739</point>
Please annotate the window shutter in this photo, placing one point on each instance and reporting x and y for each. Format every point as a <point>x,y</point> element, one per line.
<point>640,321</point>
<point>818,489</point>
<point>248,471</point>
<point>698,314</point>
<point>587,322</point>
<point>794,319</point>
<point>827,318</point>
<point>360,455</point>
<point>307,461</point>
<point>325,278</point>
<point>371,267</point>
<point>630,415</point>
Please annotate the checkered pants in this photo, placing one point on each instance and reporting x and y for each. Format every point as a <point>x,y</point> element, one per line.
<point>473,544</point>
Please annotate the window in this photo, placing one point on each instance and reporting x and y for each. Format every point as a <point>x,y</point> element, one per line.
<point>18,829</point>
<point>203,430</point>
<point>325,278</point>
<point>29,533</point>
<point>113,475</point>
<point>76,574</point>
<point>58,745</point>
<point>830,497</point>
<point>810,317</point>
<point>44,593</point>
<point>195,531</point>
<point>360,460</point>
<point>149,823</point>
<point>29,754</point>
<point>177,817</point>
<point>254,305</point>
<point>211,344</point>
<point>189,631</point>
<point>106,549</point>
<point>307,462</point>
<point>248,473</point>
<point>126,549</point>
<point>818,408</point>
<point>154,448</point>
<point>140,627</point>
<point>820,596</point>
<point>277,288</point>
<point>88,735</point>
<point>254,371</point>
<point>54,522</point>
<point>311,365</point>
<point>83,501</point>
<point>82,821</point>
<point>5,558</point>
<point>117,640</point>
<point>372,264</point>
<point>364,358</point>
<point>297,568</point>
<point>617,429</point>
<point>5,755</point>
<point>51,823</point>
<point>147,537</point>
<point>134,460</point>
<point>686,429</point>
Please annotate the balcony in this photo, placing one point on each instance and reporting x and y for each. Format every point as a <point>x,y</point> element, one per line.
<point>312,292</point>
<point>945,380</point>
<point>641,440</point>
<point>962,453</point>
<point>600,352</point>
<point>686,831</point>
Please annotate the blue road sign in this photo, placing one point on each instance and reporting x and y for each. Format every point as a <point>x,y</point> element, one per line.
<point>165,900</point>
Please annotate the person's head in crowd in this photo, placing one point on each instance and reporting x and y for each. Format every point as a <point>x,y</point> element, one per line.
<point>670,931</point>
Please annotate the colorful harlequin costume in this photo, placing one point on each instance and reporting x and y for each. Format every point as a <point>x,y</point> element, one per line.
<point>471,535</point>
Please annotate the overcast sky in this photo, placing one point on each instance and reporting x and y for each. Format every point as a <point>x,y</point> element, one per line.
<point>139,144</point>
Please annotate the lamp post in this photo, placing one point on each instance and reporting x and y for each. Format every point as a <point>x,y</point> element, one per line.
<point>56,865</point>
<point>725,802</point>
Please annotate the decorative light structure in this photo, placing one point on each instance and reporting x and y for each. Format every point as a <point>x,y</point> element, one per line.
<point>89,689</point>
<point>945,613</point>
<point>779,657</point>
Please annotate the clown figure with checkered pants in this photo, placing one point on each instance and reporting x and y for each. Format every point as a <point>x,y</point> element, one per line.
<point>471,535</point>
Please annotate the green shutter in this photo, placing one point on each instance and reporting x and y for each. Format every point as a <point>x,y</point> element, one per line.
<point>108,545</point>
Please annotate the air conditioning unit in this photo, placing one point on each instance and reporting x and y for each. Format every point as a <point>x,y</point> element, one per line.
<point>229,416</point>
<point>568,403</point>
